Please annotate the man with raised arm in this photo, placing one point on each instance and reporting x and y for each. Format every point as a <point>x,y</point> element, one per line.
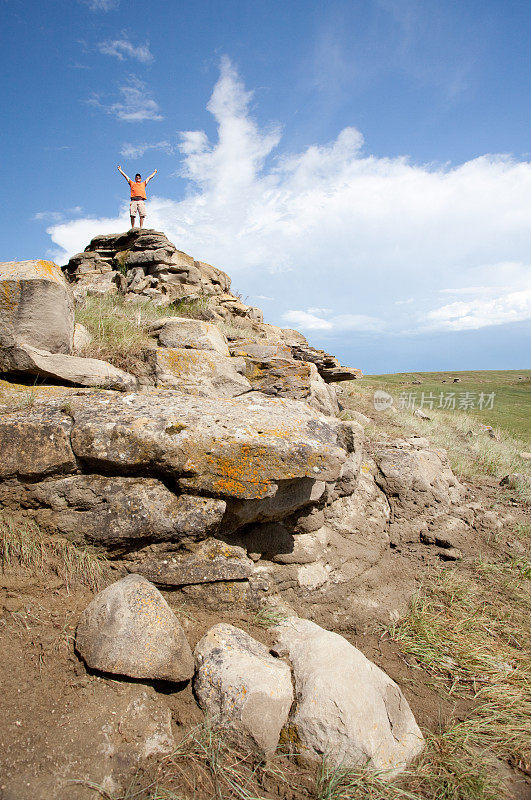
<point>138,196</point>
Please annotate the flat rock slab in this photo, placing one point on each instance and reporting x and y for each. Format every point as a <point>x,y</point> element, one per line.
<point>73,369</point>
<point>129,629</point>
<point>347,709</point>
<point>210,562</point>
<point>242,686</point>
<point>239,448</point>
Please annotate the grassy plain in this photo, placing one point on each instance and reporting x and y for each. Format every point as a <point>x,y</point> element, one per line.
<point>511,404</point>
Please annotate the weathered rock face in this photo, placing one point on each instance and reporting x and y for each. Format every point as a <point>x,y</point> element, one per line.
<point>240,448</point>
<point>203,373</point>
<point>181,333</point>
<point>347,709</point>
<point>129,629</point>
<point>151,265</point>
<point>144,265</point>
<point>250,459</point>
<point>211,561</point>
<point>415,476</point>
<point>116,512</point>
<point>36,308</point>
<point>241,685</point>
<point>37,329</point>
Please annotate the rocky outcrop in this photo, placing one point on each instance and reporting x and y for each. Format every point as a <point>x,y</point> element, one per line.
<point>224,463</point>
<point>328,366</point>
<point>243,687</point>
<point>347,710</point>
<point>129,629</point>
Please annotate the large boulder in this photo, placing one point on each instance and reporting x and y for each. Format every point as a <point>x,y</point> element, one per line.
<point>232,448</point>
<point>347,709</point>
<point>129,629</point>
<point>36,309</point>
<point>243,687</point>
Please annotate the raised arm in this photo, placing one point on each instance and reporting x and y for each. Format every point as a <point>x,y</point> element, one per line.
<point>120,170</point>
<point>151,176</point>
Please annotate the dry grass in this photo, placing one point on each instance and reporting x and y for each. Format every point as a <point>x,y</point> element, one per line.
<point>472,634</point>
<point>23,544</point>
<point>119,329</point>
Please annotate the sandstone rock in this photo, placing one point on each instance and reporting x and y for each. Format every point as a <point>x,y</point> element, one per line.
<point>358,529</point>
<point>289,497</point>
<point>129,629</point>
<point>239,684</point>
<point>35,443</point>
<point>328,366</point>
<point>312,576</point>
<point>415,477</point>
<point>36,310</point>
<point>198,372</point>
<point>275,542</point>
<point>82,337</point>
<point>348,710</point>
<point>118,511</point>
<point>190,333</point>
<point>211,561</point>
<point>74,369</point>
<point>238,448</point>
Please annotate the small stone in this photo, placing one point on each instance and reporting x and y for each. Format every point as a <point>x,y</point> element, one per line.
<point>450,554</point>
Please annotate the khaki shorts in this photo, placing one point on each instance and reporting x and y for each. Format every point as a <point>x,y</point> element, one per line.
<point>137,207</point>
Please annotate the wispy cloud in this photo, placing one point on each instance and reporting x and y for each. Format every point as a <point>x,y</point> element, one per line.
<point>56,216</point>
<point>123,48</point>
<point>310,320</point>
<point>136,104</point>
<point>102,5</point>
<point>333,227</point>
<point>137,150</point>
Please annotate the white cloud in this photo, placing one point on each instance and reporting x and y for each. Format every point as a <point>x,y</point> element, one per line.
<point>311,321</point>
<point>136,104</point>
<point>137,150</point>
<point>123,48</point>
<point>333,227</point>
<point>482,312</point>
<point>103,5</point>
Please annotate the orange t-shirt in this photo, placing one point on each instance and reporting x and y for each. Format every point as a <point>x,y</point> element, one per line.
<point>138,190</point>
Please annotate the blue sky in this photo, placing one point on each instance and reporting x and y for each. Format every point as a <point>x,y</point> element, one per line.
<point>360,169</point>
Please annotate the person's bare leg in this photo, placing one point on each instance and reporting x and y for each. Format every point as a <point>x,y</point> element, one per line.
<point>132,222</point>
<point>141,222</point>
